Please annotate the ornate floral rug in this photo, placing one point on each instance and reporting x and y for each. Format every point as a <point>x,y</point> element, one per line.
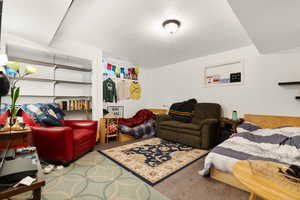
<point>154,160</point>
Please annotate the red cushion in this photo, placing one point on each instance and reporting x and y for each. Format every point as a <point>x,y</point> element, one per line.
<point>82,135</point>
<point>28,120</point>
<point>3,118</point>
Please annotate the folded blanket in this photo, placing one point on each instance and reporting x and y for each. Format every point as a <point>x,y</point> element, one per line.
<point>139,118</point>
<point>144,130</point>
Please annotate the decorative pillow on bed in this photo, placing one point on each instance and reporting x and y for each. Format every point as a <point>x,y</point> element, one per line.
<point>247,127</point>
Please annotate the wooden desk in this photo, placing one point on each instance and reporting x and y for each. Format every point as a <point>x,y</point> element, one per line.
<point>18,138</point>
<point>35,187</point>
<point>266,183</point>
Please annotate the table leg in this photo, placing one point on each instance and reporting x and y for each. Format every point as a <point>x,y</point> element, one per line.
<point>37,194</point>
<point>252,196</point>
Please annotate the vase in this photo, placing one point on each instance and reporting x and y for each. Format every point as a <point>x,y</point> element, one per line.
<point>12,124</point>
<point>234,116</point>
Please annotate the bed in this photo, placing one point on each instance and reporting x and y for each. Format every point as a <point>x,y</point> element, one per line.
<point>261,144</point>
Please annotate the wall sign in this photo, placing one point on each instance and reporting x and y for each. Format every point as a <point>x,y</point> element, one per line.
<point>118,111</point>
<point>224,74</point>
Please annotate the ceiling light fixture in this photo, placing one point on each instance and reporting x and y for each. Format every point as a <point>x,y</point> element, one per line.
<point>171,25</point>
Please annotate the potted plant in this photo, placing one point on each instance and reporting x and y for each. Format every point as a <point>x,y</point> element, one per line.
<point>13,72</point>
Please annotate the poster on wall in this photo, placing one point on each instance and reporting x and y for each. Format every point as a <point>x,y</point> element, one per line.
<point>117,111</point>
<point>224,74</point>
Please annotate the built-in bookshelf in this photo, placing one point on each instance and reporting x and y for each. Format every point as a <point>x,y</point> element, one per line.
<point>59,77</point>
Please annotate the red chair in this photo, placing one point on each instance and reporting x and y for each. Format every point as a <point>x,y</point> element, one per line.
<point>63,143</point>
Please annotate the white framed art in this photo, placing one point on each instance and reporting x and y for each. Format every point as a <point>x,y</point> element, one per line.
<point>226,74</point>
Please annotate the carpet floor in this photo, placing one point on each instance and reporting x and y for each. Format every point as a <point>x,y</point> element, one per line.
<point>94,177</point>
<point>187,184</point>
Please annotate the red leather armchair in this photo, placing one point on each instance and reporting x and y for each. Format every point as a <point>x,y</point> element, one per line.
<point>63,143</point>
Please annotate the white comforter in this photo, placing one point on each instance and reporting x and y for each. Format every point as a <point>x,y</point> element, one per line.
<point>278,145</point>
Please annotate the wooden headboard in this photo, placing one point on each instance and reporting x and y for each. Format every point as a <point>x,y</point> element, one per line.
<point>272,121</point>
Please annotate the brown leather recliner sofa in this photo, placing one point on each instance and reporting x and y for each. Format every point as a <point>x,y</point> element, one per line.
<point>201,133</point>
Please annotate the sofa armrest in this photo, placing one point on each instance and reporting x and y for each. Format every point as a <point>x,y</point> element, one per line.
<point>160,118</point>
<point>59,139</point>
<point>209,132</point>
<point>81,124</point>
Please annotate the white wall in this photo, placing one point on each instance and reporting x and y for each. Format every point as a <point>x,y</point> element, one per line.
<point>259,95</point>
<point>144,79</point>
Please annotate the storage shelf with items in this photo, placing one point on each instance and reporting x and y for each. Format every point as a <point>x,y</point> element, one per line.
<point>109,130</point>
<point>75,104</point>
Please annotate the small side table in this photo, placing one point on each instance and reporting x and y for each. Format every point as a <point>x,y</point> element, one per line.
<point>230,125</point>
<point>35,187</point>
<point>17,138</point>
<point>105,135</point>
<point>270,185</point>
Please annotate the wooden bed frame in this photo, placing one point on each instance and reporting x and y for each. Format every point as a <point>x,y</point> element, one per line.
<point>264,121</point>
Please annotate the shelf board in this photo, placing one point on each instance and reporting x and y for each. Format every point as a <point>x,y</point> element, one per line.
<point>38,79</point>
<point>51,96</point>
<point>73,82</point>
<point>77,110</point>
<point>289,83</point>
<point>66,97</point>
<point>54,65</point>
<point>30,61</point>
<point>60,66</point>
<point>57,81</point>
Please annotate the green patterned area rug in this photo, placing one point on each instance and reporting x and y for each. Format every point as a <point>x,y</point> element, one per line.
<point>95,177</point>
<point>154,159</point>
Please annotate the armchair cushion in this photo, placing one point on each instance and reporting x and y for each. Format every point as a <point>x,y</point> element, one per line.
<point>81,124</point>
<point>81,136</point>
<point>177,124</point>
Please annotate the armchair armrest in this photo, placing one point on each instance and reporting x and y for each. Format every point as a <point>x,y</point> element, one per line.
<point>209,132</point>
<point>58,139</point>
<point>81,124</point>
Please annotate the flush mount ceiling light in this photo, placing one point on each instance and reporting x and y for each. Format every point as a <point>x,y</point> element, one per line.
<point>171,25</point>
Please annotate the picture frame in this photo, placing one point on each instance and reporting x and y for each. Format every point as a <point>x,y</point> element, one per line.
<point>225,74</point>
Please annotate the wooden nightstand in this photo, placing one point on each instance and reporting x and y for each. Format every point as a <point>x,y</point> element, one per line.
<point>230,125</point>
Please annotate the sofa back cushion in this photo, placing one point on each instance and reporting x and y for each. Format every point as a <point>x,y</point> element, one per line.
<point>182,111</point>
<point>204,111</point>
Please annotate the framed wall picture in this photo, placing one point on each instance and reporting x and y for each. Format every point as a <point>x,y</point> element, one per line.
<point>226,74</point>
<point>118,111</point>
